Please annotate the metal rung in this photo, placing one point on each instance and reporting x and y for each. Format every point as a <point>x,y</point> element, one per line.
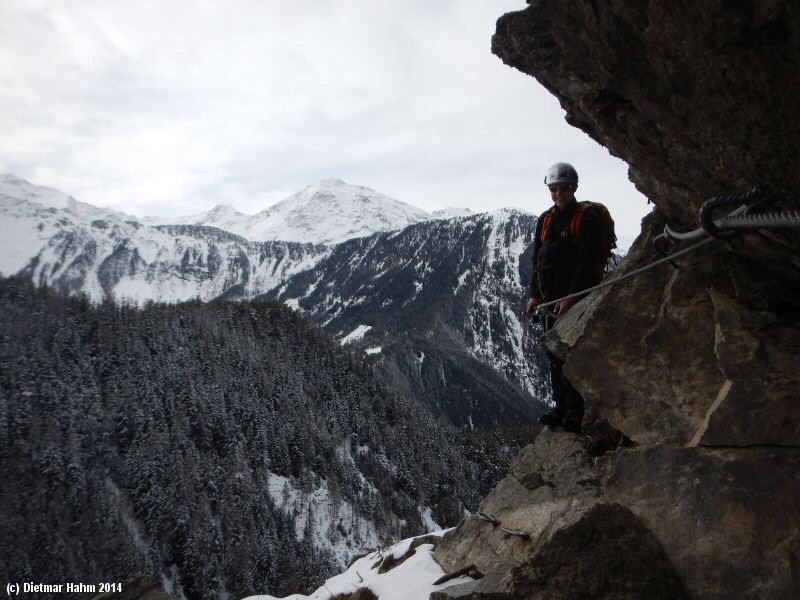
<point>517,532</point>
<point>487,517</point>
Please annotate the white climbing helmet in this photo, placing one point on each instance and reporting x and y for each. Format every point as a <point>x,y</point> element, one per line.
<point>561,173</point>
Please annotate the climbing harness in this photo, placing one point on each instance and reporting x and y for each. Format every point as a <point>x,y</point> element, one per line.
<point>710,229</point>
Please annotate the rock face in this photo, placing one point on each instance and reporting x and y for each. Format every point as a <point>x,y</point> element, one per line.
<point>727,518</point>
<point>696,362</point>
<point>437,306</point>
<point>580,542</point>
<point>638,522</point>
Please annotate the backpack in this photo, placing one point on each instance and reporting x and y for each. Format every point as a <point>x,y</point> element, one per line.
<point>607,239</point>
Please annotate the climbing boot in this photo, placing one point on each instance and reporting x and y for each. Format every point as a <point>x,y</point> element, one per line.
<point>572,421</point>
<point>551,418</point>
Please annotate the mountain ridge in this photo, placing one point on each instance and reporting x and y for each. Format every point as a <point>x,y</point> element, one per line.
<point>446,289</point>
<point>328,212</point>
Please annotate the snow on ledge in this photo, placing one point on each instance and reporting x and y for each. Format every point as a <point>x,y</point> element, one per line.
<point>355,335</point>
<point>411,580</point>
<point>293,303</point>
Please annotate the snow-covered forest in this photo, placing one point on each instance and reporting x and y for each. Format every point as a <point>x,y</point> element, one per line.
<point>228,448</point>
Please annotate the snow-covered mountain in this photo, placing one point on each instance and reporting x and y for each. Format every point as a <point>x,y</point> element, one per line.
<point>14,188</point>
<point>327,212</point>
<point>77,248</point>
<point>222,216</point>
<point>437,305</point>
<point>32,215</point>
<point>332,211</point>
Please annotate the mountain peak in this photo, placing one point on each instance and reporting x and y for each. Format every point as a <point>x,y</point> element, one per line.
<point>332,211</point>
<point>329,182</point>
<point>222,208</point>
<point>16,187</point>
<point>451,212</point>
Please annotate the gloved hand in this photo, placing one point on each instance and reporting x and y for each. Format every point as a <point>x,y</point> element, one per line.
<point>563,306</point>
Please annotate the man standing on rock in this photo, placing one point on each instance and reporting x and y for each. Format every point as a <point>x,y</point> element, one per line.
<point>567,258</point>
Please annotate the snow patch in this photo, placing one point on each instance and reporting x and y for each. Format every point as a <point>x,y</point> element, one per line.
<point>332,524</point>
<point>411,580</point>
<point>355,335</point>
<point>427,519</point>
<point>461,279</point>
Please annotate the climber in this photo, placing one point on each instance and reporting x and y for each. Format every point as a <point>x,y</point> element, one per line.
<point>569,256</point>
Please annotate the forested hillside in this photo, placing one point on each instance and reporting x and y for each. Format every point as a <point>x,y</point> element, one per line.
<point>441,307</point>
<point>226,448</point>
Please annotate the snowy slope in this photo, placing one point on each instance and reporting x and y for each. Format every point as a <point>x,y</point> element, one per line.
<point>31,215</point>
<point>223,216</point>
<point>412,579</point>
<point>16,188</point>
<point>135,263</point>
<point>20,189</point>
<point>26,228</point>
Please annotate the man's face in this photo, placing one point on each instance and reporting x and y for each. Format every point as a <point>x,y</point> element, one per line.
<point>562,193</point>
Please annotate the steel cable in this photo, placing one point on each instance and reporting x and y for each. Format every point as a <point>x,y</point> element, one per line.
<point>739,218</point>
<point>542,308</point>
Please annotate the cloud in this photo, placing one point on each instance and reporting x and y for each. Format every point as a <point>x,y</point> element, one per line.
<point>148,107</point>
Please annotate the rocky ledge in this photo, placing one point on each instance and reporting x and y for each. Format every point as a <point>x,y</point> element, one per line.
<point>693,362</point>
<point>635,522</point>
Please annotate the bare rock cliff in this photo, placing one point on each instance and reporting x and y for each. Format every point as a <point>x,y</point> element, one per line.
<point>695,363</point>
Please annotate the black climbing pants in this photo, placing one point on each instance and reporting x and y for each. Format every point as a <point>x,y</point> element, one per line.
<point>566,397</point>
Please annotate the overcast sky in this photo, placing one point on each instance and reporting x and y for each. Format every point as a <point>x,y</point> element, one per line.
<point>168,107</point>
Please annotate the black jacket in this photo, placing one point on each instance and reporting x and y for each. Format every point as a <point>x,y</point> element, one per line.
<point>561,264</point>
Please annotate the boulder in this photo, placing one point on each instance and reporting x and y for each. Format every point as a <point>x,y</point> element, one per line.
<point>579,545</point>
<point>551,483</point>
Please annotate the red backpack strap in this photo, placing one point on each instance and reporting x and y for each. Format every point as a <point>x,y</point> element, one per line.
<point>548,216</point>
<point>577,219</point>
